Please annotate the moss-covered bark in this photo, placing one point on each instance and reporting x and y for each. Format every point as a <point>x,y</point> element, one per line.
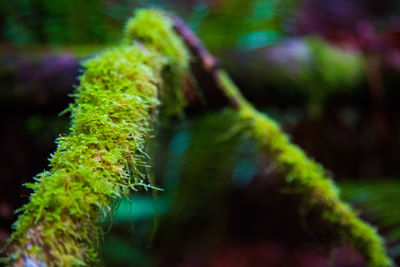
<point>101,158</point>
<point>307,177</point>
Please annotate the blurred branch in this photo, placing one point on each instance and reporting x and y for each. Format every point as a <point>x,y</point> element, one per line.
<point>303,175</point>
<point>204,67</point>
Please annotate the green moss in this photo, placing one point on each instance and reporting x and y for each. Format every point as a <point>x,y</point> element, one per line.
<point>151,28</point>
<point>103,156</point>
<point>308,178</point>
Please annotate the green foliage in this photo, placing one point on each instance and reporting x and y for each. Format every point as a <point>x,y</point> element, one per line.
<point>57,22</point>
<point>67,22</point>
<point>103,158</point>
<point>333,70</point>
<point>308,178</point>
<point>60,22</point>
<point>239,24</point>
<point>337,68</point>
<point>208,164</point>
<point>311,68</point>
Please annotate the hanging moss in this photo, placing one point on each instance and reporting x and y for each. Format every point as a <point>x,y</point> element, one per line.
<point>102,157</point>
<point>308,178</point>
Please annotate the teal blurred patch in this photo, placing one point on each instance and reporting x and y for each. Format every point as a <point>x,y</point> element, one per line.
<point>258,39</point>
<point>140,208</point>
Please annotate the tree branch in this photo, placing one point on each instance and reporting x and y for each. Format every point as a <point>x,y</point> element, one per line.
<point>301,174</point>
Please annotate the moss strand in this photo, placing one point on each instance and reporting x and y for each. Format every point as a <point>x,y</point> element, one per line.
<point>308,177</point>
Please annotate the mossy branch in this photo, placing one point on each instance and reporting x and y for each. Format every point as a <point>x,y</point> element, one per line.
<point>112,117</point>
<point>309,179</point>
<point>103,157</point>
<point>306,176</point>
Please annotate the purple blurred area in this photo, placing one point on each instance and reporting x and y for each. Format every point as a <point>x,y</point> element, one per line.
<point>37,80</point>
<point>369,26</point>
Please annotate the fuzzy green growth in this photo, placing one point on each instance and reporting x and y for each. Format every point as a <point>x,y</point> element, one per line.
<point>309,178</point>
<point>152,28</point>
<point>103,157</point>
<point>208,164</point>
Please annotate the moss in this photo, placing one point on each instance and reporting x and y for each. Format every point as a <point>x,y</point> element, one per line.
<point>307,177</point>
<point>151,28</point>
<point>103,156</point>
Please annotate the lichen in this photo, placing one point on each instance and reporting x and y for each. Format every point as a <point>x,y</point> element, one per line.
<point>307,177</point>
<point>102,158</point>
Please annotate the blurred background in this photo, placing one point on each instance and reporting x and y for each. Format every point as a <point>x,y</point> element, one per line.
<point>327,70</point>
